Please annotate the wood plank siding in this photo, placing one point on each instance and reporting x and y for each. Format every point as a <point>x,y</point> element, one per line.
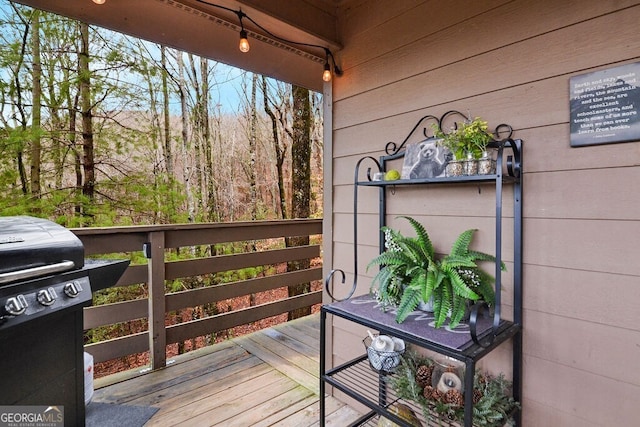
<point>508,62</point>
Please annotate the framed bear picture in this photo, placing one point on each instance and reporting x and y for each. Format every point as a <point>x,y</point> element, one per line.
<point>425,159</point>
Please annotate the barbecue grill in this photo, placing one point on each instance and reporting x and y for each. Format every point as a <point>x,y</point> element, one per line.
<point>44,284</point>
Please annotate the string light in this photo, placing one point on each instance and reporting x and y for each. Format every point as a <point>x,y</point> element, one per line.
<point>326,75</point>
<point>244,41</point>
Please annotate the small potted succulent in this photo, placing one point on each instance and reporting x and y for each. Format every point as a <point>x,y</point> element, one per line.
<point>412,274</point>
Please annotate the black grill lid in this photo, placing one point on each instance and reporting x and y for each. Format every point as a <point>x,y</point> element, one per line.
<point>27,242</point>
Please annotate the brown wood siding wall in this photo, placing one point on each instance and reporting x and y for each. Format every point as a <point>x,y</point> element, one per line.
<point>508,62</point>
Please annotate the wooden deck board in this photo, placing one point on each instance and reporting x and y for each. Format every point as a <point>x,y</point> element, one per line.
<point>170,376</point>
<point>282,364</point>
<point>310,415</point>
<point>254,414</point>
<point>226,403</point>
<point>307,335</point>
<point>268,378</point>
<point>171,398</point>
<point>290,352</point>
<point>293,343</point>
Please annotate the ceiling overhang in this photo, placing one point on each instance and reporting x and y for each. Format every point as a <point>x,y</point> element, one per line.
<point>212,32</point>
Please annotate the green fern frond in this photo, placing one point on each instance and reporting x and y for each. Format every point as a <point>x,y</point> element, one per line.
<point>486,292</point>
<point>458,310</point>
<point>481,256</point>
<point>441,305</point>
<point>460,287</point>
<point>389,258</point>
<point>423,237</point>
<point>427,284</point>
<point>455,261</point>
<point>419,280</point>
<point>415,250</point>
<point>408,303</point>
<point>461,245</point>
<point>384,276</point>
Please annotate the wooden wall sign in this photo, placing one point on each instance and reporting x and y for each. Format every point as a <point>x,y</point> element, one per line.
<point>605,106</point>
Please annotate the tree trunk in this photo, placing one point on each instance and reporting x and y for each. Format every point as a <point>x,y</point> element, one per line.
<point>21,116</point>
<point>279,151</point>
<point>253,136</point>
<point>301,185</point>
<point>168,154</point>
<point>197,133</point>
<point>184,115</point>
<point>88,162</point>
<point>36,92</point>
<point>206,139</point>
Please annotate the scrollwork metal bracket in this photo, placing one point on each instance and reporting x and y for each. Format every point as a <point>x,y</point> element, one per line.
<point>329,279</point>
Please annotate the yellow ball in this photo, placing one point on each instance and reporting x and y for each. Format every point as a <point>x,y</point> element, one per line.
<point>392,175</point>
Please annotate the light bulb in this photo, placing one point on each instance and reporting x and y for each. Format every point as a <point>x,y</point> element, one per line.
<point>244,43</point>
<point>326,75</point>
<point>99,1</point>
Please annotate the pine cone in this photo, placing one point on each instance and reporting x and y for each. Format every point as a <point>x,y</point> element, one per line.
<point>423,375</point>
<point>477,395</point>
<point>432,393</point>
<point>453,397</point>
<point>482,379</point>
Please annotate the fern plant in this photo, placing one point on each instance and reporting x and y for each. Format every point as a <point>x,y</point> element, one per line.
<point>405,262</point>
<point>412,274</point>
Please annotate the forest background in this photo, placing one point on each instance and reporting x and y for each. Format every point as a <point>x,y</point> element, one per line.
<point>101,129</point>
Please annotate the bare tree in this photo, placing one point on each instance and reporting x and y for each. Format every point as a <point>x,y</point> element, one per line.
<point>84,76</point>
<point>301,185</point>
<point>185,136</point>
<point>36,113</point>
<point>280,148</point>
<point>168,152</point>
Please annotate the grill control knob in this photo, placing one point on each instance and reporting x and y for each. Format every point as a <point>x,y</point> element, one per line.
<point>16,305</point>
<point>46,296</point>
<point>72,289</point>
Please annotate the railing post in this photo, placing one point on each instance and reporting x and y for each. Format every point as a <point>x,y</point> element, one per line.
<point>157,334</point>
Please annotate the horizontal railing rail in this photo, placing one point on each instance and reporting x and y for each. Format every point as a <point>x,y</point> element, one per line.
<point>157,241</point>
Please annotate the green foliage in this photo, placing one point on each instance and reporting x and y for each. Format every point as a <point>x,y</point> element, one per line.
<point>406,262</point>
<point>412,274</point>
<point>493,409</point>
<point>469,136</point>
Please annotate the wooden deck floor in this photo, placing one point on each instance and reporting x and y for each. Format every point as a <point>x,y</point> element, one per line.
<point>268,378</point>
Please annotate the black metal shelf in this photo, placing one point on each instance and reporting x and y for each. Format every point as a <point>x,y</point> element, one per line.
<point>356,378</point>
<point>415,330</point>
<point>491,178</point>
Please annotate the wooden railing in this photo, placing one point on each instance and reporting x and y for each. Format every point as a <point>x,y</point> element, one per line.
<point>157,241</point>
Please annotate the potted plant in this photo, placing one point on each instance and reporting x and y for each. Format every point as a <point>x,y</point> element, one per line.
<point>412,274</point>
<point>453,141</point>
<point>493,402</point>
<point>467,141</point>
<point>475,137</point>
<point>405,262</point>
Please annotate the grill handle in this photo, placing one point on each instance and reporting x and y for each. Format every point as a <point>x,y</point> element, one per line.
<point>28,273</point>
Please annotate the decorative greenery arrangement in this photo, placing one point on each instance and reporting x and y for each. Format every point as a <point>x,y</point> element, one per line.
<point>412,274</point>
<point>468,137</point>
<point>492,400</point>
